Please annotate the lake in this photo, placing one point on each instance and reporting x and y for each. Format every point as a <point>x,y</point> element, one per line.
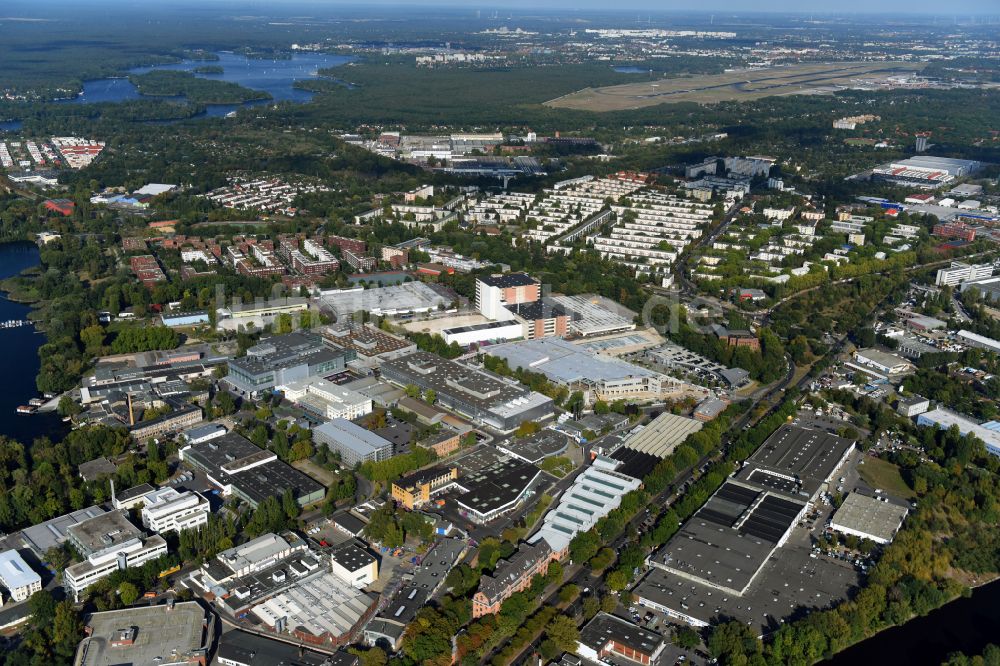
<point>275,77</point>
<point>965,625</point>
<point>19,362</point>
<point>10,125</point>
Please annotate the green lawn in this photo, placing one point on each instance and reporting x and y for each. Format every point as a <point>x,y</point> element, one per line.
<point>884,475</point>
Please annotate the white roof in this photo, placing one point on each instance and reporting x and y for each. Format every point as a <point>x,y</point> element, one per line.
<point>15,572</point>
<point>154,188</point>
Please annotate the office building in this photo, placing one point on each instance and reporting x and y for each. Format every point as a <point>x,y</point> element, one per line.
<point>419,487</point>
<point>494,292</point>
<point>17,577</point>
<point>484,397</point>
<point>325,399</point>
<point>541,319</point>
<point>912,406</point>
<point>354,444</point>
<point>282,359</point>
<point>240,468</point>
<point>107,543</point>
<point>170,510</point>
<point>168,424</point>
<point>961,272</point>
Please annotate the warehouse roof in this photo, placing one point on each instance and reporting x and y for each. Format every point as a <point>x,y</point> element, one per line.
<point>605,628</point>
<point>564,362</point>
<point>497,486</point>
<point>664,434</point>
<point>878,519</point>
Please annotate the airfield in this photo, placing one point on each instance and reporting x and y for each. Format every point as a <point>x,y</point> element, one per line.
<point>745,85</point>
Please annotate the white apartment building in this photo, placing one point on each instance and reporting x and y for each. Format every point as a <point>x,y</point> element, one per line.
<point>17,577</point>
<point>169,510</point>
<point>652,230</point>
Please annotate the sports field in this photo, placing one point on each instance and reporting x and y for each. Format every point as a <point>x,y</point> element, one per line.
<point>811,78</point>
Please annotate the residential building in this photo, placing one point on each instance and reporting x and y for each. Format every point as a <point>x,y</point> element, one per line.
<point>170,510</point>
<point>17,577</point>
<point>958,230</point>
<point>358,262</point>
<point>419,487</point>
<point>354,444</point>
<point>511,576</point>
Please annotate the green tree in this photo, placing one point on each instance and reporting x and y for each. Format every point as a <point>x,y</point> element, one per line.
<point>564,632</point>
<point>128,593</point>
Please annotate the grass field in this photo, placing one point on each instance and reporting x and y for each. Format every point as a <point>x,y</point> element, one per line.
<point>884,475</point>
<point>811,78</point>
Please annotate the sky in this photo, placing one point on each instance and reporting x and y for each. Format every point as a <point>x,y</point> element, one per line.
<point>949,8</point>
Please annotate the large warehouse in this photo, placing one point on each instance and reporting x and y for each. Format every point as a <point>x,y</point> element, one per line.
<point>721,558</point>
<point>868,518</point>
<point>484,397</point>
<point>600,377</point>
<point>925,172</point>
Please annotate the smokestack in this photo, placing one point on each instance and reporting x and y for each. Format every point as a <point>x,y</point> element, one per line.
<point>131,414</point>
<point>113,502</point>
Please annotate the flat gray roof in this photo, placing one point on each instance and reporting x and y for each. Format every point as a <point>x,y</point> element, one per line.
<point>878,518</point>
<point>51,533</point>
<point>564,362</point>
<point>176,636</point>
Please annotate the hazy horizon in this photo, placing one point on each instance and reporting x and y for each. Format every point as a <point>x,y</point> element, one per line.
<point>929,7</point>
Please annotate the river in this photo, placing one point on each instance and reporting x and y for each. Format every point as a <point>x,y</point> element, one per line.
<point>19,362</point>
<point>965,625</point>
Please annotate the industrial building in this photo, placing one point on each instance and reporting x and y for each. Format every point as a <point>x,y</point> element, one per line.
<point>354,565</point>
<point>885,364</point>
<point>592,315</point>
<point>537,447</point>
<point>170,510</point>
<point>599,377</point>
<point>17,577</point>
<point>326,400</point>
<point>868,518</point>
<point>978,341</point>
<point>925,171</point>
<point>241,468</point>
<point>594,494</point>
<point>496,490</point>
<point>107,543</point>
<point>720,552</point>
<point>662,435</point>
<point>371,344</point>
<point>945,419</point>
<point>54,532</point>
<point>282,359</point>
<point>354,444</point>
<point>167,634</point>
<point>249,558</point>
<point>240,648</point>
<point>608,635</point>
<point>409,298</point>
<point>484,397</point>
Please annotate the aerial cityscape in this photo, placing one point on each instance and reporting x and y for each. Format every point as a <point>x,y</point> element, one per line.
<point>524,334</point>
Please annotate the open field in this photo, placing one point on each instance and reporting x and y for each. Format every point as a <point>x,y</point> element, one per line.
<point>884,475</point>
<point>811,78</point>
